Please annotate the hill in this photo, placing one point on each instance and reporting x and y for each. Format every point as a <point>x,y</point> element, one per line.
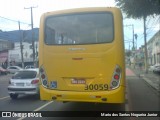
<point>14,36</point>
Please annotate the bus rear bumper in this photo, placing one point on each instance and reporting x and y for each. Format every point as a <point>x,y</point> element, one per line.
<point>114,96</point>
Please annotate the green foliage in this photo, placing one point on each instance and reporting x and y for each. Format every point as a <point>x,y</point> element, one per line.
<point>139,8</point>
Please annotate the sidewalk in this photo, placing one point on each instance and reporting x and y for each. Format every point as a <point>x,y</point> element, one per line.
<point>151,78</point>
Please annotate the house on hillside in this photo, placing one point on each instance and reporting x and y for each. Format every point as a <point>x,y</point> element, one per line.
<point>17,35</point>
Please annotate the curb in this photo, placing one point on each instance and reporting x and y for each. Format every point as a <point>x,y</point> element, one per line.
<point>152,84</point>
<point>155,85</point>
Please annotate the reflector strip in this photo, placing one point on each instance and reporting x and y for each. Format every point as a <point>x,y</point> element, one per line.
<point>77,58</point>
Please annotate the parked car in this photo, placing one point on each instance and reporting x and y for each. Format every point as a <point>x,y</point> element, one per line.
<point>151,68</point>
<point>14,69</point>
<point>3,71</point>
<point>156,68</point>
<point>29,67</point>
<point>24,82</point>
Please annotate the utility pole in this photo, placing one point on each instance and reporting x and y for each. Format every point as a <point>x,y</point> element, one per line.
<point>145,45</point>
<point>33,47</point>
<point>136,36</point>
<point>21,46</point>
<point>133,36</point>
<point>133,48</point>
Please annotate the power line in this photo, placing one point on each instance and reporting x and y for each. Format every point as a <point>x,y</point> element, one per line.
<point>13,20</point>
<point>151,26</point>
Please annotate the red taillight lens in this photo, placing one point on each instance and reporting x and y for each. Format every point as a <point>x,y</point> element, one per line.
<point>116,77</point>
<point>34,81</point>
<point>43,76</point>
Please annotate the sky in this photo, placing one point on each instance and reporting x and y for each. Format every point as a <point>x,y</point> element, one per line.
<point>16,10</point>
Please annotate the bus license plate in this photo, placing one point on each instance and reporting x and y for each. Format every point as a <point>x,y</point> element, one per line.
<point>78,81</point>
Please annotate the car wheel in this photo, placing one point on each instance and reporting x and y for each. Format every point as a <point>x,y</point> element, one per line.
<point>13,96</point>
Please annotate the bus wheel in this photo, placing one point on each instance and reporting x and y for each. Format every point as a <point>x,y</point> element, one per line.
<point>13,96</point>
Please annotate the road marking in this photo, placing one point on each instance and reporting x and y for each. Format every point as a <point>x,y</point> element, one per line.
<point>4,97</point>
<point>38,109</point>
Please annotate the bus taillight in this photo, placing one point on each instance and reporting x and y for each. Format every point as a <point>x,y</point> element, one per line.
<point>43,77</point>
<point>116,78</point>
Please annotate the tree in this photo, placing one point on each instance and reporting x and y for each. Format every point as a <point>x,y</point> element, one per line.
<point>140,9</point>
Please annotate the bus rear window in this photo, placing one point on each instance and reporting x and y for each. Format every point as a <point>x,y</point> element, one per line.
<point>86,28</point>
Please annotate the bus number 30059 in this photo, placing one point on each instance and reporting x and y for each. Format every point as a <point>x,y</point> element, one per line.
<point>96,87</point>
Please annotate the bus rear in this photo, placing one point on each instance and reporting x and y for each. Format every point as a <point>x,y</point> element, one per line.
<point>81,55</point>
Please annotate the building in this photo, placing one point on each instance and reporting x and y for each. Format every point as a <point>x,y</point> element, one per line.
<point>10,52</point>
<point>153,50</point>
<point>14,55</point>
<point>4,47</point>
<point>153,47</point>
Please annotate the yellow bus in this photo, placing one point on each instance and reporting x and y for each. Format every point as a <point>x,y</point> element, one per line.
<point>81,55</point>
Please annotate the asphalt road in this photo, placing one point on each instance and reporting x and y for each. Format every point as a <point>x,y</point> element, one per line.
<point>139,97</point>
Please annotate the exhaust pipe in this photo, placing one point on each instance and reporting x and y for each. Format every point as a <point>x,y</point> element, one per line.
<point>104,99</point>
<point>54,98</point>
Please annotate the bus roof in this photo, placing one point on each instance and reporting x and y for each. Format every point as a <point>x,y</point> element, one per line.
<point>80,10</point>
